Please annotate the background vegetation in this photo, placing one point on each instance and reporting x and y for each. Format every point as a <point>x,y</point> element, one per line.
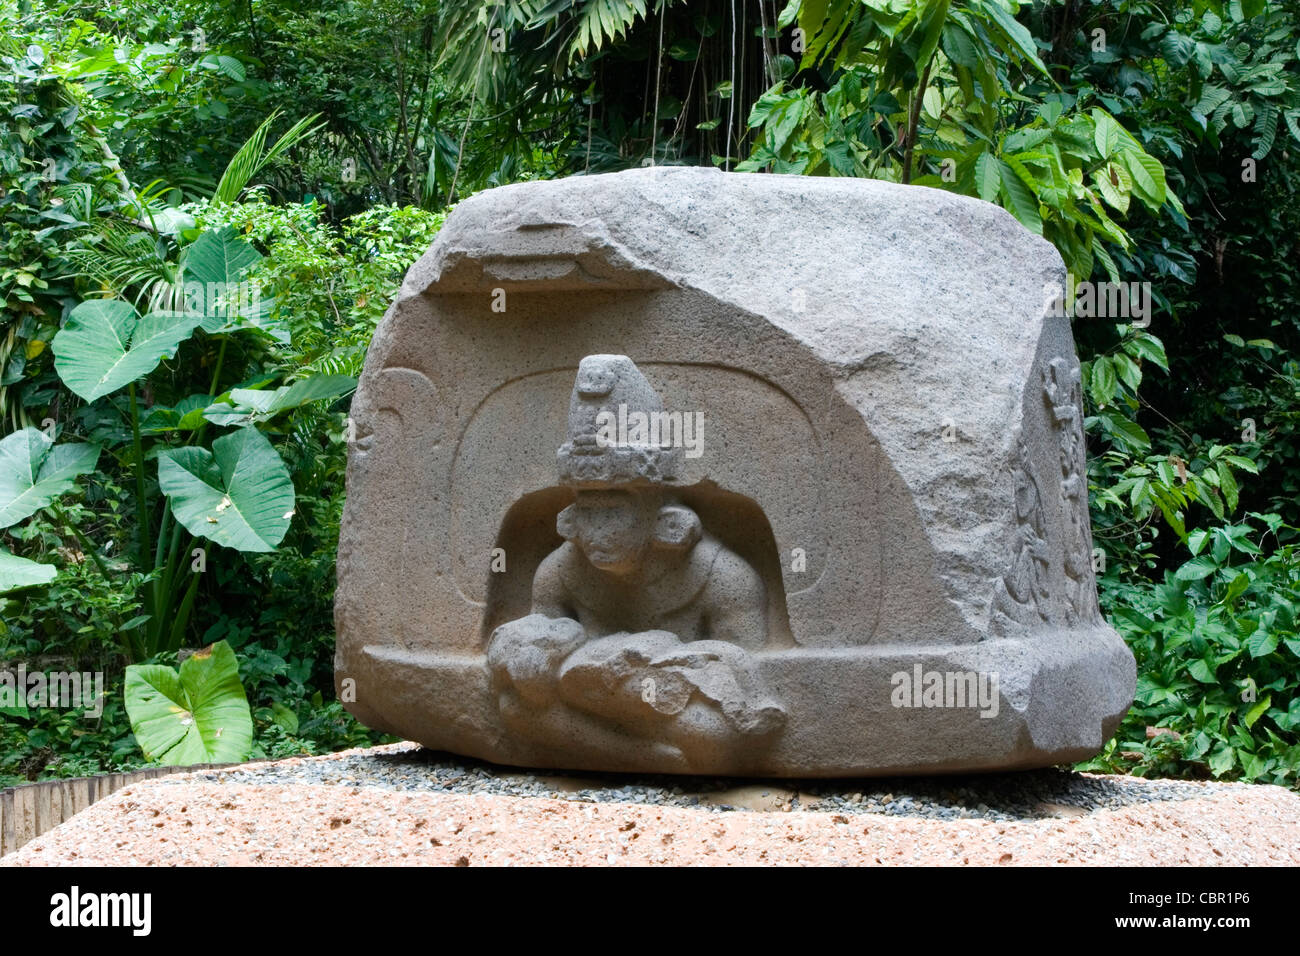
<point>314,150</point>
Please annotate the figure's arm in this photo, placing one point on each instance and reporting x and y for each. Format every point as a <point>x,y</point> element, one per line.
<point>736,603</point>
<point>525,654</point>
<point>550,595</point>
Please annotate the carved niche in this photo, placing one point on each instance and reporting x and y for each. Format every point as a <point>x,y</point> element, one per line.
<point>642,622</point>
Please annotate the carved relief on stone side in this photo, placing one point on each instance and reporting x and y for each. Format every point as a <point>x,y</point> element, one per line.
<point>1021,595</point>
<point>1063,391</point>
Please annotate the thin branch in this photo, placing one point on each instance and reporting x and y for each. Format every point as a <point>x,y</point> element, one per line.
<point>913,121</point>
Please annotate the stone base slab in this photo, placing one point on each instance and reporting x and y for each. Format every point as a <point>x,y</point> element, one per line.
<point>1060,695</point>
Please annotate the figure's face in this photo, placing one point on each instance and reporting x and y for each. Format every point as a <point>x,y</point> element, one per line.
<point>614,529</point>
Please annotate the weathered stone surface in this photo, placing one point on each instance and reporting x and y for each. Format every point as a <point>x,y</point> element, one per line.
<point>885,488</point>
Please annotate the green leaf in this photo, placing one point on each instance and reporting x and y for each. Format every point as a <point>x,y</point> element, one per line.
<point>1166,472</point>
<point>1116,194</point>
<point>34,471</point>
<point>1106,134</point>
<point>1208,494</point>
<point>284,718</point>
<point>186,415</point>
<point>1262,642</point>
<point>1022,41</point>
<point>786,111</point>
<point>1020,200</point>
<point>105,345</point>
<point>219,255</point>
<point>216,260</point>
<point>1149,347</point>
<point>1228,485</point>
<point>987,176</point>
<point>251,157</point>
<point>841,158</point>
<point>239,494</point>
<point>1197,568</point>
<point>1201,672</point>
<point>1126,430</point>
<point>304,391</point>
<point>314,389</point>
<point>1127,370</point>
<point>1148,176</point>
<point>1222,760</point>
<point>1212,97</point>
<point>232,68</point>
<point>224,414</point>
<point>200,715</point>
<point>1101,383</point>
<point>1236,588</point>
<point>16,572</point>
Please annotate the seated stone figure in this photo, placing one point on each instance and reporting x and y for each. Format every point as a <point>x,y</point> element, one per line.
<point>636,560</point>
<point>642,622</point>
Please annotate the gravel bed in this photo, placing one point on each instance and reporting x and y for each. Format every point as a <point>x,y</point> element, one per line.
<point>1023,795</point>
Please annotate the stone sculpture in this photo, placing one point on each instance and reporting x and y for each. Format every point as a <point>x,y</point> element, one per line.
<point>641,619</point>
<point>819,505</point>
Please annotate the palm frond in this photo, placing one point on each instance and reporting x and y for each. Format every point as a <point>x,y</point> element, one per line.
<point>253,155</point>
<point>121,258</point>
<point>347,360</point>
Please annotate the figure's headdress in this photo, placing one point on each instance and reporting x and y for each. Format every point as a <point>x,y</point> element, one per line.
<point>606,448</point>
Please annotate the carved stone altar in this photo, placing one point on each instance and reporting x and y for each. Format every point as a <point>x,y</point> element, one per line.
<point>676,470</point>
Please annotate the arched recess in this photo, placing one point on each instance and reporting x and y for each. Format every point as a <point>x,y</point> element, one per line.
<point>528,535</point>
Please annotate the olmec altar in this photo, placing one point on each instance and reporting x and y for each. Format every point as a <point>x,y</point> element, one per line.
<point>884,472</point>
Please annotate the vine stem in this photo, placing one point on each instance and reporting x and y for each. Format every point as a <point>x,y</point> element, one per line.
<point>913,121</point>
<point>221,360</point>
<point>141,504</point>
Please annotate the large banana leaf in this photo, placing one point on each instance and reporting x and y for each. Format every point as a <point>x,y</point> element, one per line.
<point>34,471</point>
<point>106,345</point>
<point>200,715</point>
<point>239,494</point>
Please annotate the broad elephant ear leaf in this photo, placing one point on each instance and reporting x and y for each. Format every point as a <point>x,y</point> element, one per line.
<point>200,715</point>
<point>252,405</point>
<point>239,494</point>
<point>219,256</point>
<point>215,266</point>
<point>185,415</point>
<point>106,345</point>
<point>34,471</point>
<point>307,390</point>
<point>16,572</point>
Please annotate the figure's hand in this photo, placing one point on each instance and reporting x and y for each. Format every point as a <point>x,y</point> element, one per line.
<point>526,654</point>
